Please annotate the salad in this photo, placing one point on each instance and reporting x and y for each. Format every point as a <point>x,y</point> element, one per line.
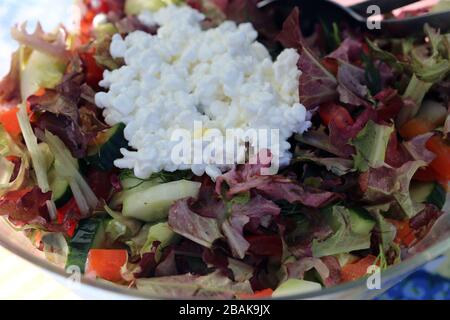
<point>85,172</point>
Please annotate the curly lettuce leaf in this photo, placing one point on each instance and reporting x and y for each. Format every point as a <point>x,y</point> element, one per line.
<point>390,186</point>
<point>211,286</point>
<point>371,144</point>
<point>53,44</point>
<point>345,239</point>
<point>189,224</point>
<point>317,84</point>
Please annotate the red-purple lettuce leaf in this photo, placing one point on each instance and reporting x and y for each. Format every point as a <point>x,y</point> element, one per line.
<point>67,111</point>
<point>317,138</point>
<point>352,86</point>
<point>189,224</point>
<point>291,35</point>
<point>259,211</point>
<point>350,50</point>
<point>272,187</point>
<point>340,136</point>
<point>390,186</point>
<point>10,84</point>
<point>396,153</point>
<point>25,205</point>
<point>389,104</point>
<point>317,84</point>
<point>418,150</point>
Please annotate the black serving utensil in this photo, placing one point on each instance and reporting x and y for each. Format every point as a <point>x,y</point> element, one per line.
<point>327,11</point>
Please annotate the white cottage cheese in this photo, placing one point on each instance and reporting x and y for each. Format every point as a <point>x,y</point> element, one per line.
<point>222,77</point>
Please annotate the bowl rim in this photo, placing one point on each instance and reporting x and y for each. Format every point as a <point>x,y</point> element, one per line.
<point>411,264</point>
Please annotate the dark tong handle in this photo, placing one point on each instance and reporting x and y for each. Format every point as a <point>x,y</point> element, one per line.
<point>412,25</point>
<point>386,6</point>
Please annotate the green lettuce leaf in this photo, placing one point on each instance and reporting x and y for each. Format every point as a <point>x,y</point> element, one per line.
<point>344,239</point>
<point>120,227</point>
<point>377,53</point>
<point>161,233</point>
<point>390,187</point>
<point>371,144</point>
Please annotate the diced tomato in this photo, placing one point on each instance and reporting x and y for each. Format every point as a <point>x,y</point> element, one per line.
<point>94,73</point>
<point>405,235</point>
<point>441,164</point>
<point>354,271</point>
<point>71,206</point>
<point>415,127</point>
<point>107,264</point>
<point>333,112</point>
<point>71,223</point>
<point>8,119</point>
<point>266,293</point>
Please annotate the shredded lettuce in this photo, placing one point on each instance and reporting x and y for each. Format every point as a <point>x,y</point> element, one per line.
<point>84,196</point>
<point>37,158</point>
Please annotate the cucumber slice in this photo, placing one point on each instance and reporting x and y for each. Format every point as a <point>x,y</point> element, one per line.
<point>60,187</point>
<point>131,185</point>
<point>420,191</point>
<point>153,204</point>
<point>360,221</point>
<point>295,287</point>
<point>428,192</point>
<point>437,196</point>
<point>90,234</point>
<point>61,192</point>
<point>107,148</point>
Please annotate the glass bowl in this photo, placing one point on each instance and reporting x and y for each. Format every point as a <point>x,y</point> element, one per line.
<point>436,243</point>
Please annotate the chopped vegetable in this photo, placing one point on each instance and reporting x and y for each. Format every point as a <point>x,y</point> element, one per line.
<point>107,264</point>
<point>356,270</point>
<point>36,154</point>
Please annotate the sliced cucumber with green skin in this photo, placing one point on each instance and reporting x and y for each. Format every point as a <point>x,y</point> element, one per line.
<point>90,234</point>
<point>295,287</point>
<point>437,196</point>
<point>153,204</point>
<point>360,221</point>
<point>61,192</point>
<point>130,186</point>
<point>107,148</point>
<point>428,192</point>
<point>60,187</point>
